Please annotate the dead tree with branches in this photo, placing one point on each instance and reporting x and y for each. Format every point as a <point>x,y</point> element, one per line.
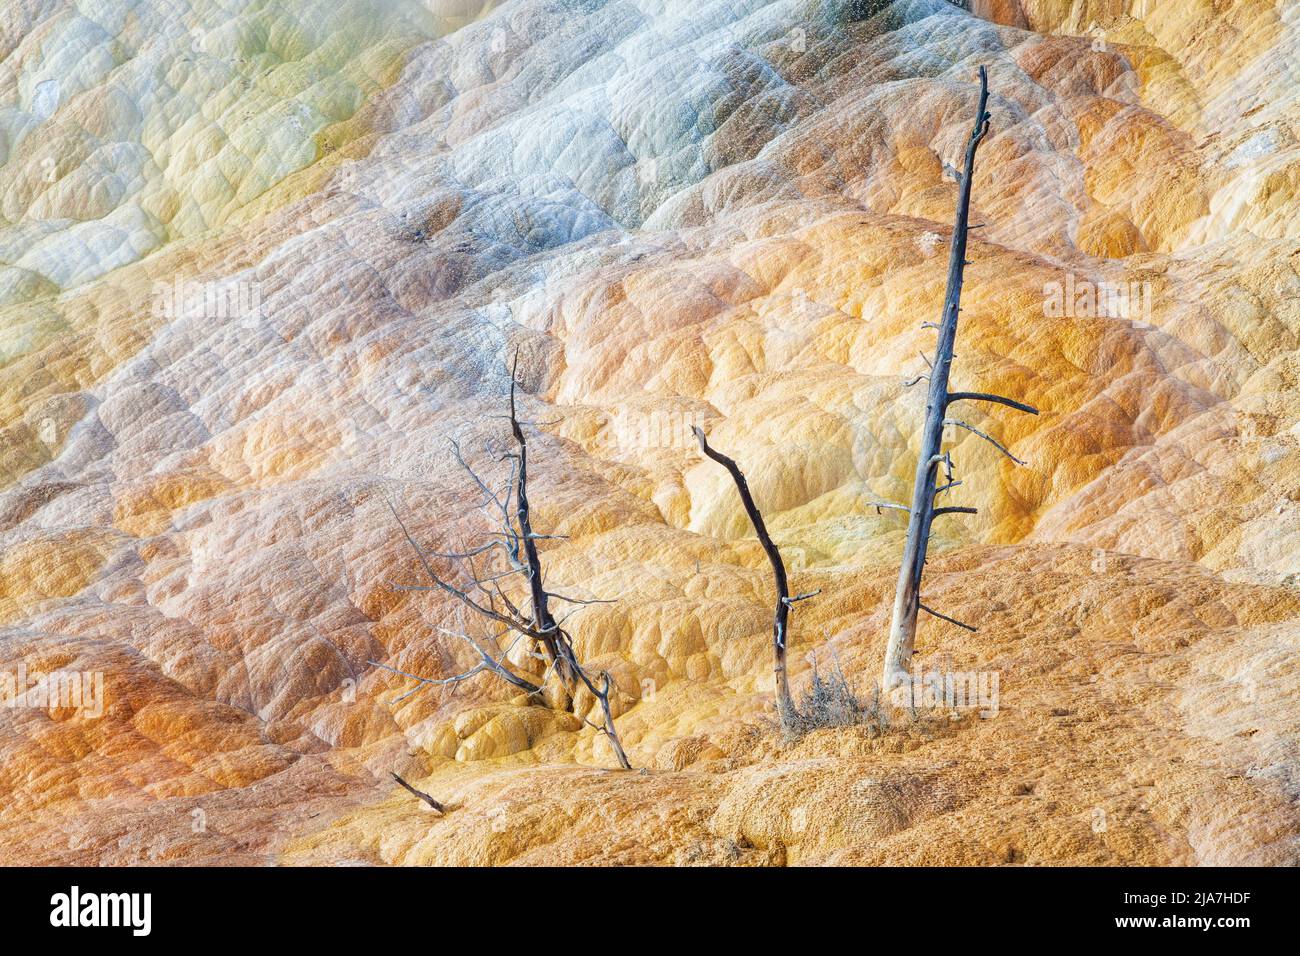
<point>926,487</point>
<point>480,580</point>
<point>784,601</point>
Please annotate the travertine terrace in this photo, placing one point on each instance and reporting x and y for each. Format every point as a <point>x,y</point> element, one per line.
<point>260,261</point>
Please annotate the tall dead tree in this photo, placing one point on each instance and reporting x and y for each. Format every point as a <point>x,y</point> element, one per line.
<point>781,617</point>
<point>925,489</point>
<point>482,589</point>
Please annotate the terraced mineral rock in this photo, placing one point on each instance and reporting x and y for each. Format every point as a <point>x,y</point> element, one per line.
<point>259,262</point>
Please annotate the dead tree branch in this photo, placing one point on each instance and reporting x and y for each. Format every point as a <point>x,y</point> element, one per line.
<point>515,543</point>
<point>420,793</point>
<point>781,617</point>
<point>985,397</point>
<point>945,617</point>
<point>988,438</point>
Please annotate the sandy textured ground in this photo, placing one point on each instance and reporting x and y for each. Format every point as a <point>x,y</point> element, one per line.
<point>732,215</point>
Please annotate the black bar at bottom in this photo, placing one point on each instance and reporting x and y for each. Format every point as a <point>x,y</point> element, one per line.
<point>233,907</point>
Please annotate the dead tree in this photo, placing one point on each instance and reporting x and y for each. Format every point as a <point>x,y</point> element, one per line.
<point>482,589</point>
<point>781,617</point>
<point>922,512</point>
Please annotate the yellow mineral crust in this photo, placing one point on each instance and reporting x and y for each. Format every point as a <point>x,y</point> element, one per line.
<point>260,262</point>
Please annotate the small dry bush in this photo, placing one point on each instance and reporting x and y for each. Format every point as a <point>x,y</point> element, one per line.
<point>830,701</point>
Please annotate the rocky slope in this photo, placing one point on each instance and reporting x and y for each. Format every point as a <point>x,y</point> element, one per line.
<point>262,260</point>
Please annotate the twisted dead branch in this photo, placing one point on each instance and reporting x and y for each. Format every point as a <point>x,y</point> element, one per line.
<point>483,591</point>
<point>784,601</point>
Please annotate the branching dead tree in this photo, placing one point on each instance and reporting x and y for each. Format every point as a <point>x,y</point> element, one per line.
<point>483,590</point>
<point>784,601</point>
<point>922,512</point>
<point>433,804</point>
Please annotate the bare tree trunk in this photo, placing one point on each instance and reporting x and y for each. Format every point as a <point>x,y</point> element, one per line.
<point>781,617</point>
<point>907,598</point>
<point>543,619</point>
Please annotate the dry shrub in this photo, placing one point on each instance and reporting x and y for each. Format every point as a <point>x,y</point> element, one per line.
<point>830,701</point>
